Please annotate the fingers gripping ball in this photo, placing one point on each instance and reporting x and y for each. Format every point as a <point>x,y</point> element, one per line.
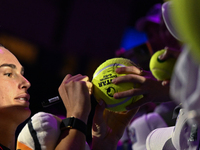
<point>161,70</point>
<point>104,89</point>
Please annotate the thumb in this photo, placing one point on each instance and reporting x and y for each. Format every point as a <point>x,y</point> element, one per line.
<point>165,55</point>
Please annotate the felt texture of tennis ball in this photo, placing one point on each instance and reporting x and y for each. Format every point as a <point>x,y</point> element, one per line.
<point>103,88</point>
<point>161,70</point>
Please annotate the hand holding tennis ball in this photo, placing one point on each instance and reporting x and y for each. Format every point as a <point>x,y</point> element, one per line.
<point>103,88</point>
<point>162,69</point>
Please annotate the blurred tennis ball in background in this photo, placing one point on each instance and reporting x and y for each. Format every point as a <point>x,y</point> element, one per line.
<point>104,89</point>
<point>186,16</point>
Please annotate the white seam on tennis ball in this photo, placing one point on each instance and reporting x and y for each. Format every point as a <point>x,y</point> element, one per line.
<point>107,67</point>
<point>117,104</point>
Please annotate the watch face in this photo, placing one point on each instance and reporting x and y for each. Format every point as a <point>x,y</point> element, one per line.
<point>73,123</point>
<point>67,123</point>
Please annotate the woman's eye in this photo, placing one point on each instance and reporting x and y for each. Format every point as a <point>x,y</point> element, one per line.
<point>8,74</point>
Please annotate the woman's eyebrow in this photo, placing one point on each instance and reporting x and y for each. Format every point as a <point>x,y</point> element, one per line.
<point>8,65</point>
<point>12,66</point>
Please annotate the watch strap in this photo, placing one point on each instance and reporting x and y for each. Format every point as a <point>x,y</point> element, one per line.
<point>73,123</point>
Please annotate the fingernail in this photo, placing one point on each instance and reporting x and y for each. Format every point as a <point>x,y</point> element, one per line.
<point>160,57</point>
<point>115,96</point>
<point>113,80</point>
<point>166,48</point>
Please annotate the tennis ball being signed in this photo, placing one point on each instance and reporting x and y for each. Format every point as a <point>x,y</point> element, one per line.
<point>105,89</point>
<point>161,70</point>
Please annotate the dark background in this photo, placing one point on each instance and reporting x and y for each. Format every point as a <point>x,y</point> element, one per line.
<point>52,38</point>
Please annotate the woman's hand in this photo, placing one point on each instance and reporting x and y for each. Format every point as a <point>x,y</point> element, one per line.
<point>75,92</point>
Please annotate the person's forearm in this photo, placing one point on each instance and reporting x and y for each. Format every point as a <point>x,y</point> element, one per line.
<point>71,139</point>
<point>106,145</point>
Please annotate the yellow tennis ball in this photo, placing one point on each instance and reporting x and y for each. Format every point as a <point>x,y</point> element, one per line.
<point>186,17</point>
<point>161,70</point>
<point>103,88</point>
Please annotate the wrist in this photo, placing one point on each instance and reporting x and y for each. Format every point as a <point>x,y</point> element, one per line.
<point>81,116</point>
<point>74,123</point>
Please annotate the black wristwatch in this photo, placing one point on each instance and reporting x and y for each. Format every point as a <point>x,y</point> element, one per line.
<point>73,123</point>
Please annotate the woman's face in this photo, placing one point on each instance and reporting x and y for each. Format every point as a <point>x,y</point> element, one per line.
<point>14,98</point>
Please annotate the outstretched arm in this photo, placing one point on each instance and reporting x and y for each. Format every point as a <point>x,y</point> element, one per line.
<point>108,127</point>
